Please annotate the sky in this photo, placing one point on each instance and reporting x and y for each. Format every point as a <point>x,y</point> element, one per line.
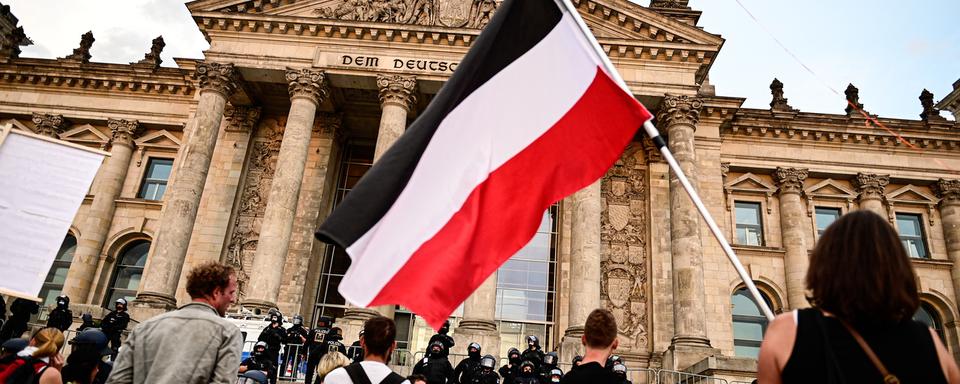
<point>890,49</point>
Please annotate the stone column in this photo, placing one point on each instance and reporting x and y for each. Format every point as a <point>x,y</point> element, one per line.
<point>680,115</point>
<point>48,124</point>
<point>585,269</point>
<point>871,188</point>
<point>307,90</point>
<point>949,193</point>
<point>793,228</point>
<point>96,227</point>
<point>479,320</point>
<point>397,98</point>
<point>159,285</point>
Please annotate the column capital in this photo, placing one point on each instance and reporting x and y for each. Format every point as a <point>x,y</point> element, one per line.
<point>871,185</point>
<point>680,109</point>
<point>307,83</point>
<point>948,191</point>
<point>51,125</point>
<point>241,118</point>
<point>790,180</point>
<point>123,131</point>
<point>397,89</point>
<point>222,78</point>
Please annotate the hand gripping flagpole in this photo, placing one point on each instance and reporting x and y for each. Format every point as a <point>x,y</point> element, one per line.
<point>674,166</point>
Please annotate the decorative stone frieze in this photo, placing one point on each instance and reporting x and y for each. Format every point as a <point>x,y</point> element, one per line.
<point>307,83</point>
<point>398,89</point>
<point>241,118</point>
<point>870,185</point>
<point>51,125</point>
<point>790,180</point>
<point>82,53</point>
<point>948,191</point>
<point>123,131</point>
<point>443,13</point>
<point>672,4</point>
<point>680,110</point>
<point>222,78</point>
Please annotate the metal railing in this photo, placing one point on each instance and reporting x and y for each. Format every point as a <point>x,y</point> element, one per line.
<point>664,376</point>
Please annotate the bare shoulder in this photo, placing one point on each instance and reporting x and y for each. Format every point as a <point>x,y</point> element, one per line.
<point>947,363</point>
<point>776,348</point>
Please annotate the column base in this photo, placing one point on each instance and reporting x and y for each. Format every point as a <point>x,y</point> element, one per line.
<point>684,353</point>
<point>362,314</point>
<point>481,331</point>
<point>150,304</point>
<point>572,344</point>
<point>259,307</point>
<point>352,322</point>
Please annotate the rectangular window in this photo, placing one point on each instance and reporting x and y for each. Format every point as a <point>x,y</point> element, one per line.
<point>825,217</point>
<point>749,226</point>
<point>155,179</point>
<point>910,227</point>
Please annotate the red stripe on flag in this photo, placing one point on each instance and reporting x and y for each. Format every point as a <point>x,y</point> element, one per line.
<point>503,213</point>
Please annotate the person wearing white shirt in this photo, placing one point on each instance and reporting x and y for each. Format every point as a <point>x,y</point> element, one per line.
<point>378,342</point>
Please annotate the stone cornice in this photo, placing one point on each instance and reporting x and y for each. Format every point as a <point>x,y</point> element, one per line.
<point>102,77</point>
<point>838,129</point>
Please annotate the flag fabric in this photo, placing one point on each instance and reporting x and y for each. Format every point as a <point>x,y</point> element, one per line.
<point>529,117</point>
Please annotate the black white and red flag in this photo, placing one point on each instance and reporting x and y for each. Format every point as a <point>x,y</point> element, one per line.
<point>529,117</point>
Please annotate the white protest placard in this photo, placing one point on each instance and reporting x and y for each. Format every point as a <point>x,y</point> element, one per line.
<point>42,183</point>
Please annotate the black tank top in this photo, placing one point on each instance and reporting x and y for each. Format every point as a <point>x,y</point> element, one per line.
<point>906,349</point>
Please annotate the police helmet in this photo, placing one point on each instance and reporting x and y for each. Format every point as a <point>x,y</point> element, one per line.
<point>87,317</point>
<point>121,301</point>
<point>324,322</point>
<point>614,359</point>
<point>525,364</point>
<point>475,346</point>
<point>620,369</point>
<point>63,300</point>
<point>533,341</point>
<point>259,348</point>
<point>436,347</point>
<point>556,372</point>
<point>550,358</point>
<point>513,354</point>
<point>297,320</point>
<point>488,361</point>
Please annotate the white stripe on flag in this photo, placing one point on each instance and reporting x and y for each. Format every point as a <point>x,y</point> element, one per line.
<point>497,121</point>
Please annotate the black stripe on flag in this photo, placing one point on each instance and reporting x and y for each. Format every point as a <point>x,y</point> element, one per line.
<point>516,27</point>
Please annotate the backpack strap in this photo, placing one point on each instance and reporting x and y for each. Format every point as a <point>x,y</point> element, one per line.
<point>357,374</point>
<point>392,378</point>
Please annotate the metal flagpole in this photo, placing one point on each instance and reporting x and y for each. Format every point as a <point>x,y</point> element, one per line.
<point>654,134</point>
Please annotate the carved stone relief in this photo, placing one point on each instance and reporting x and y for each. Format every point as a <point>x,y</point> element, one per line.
<point>446,13</point>
<point>253,200</point>
<point>624,288</point>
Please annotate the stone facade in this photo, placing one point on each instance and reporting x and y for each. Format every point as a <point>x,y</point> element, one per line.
<point>258,133</point>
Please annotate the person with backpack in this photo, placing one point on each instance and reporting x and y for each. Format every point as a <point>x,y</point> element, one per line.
<point>9,350</point>
<point>40,362</point>
<point>378,343</point>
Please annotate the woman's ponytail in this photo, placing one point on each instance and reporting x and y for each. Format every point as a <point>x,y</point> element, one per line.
<point>48,342</point>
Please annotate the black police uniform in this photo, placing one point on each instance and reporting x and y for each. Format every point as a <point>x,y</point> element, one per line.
<point>87,322</point>
<point>61,317</point>
<point>355,352</point>
<point>20,311</point>
<point>113,325</point>
<point>295,349</point>
<point>436,368</point>
<point>510,371</point>
<point>330,342</point>
<point>443,337</point>
<point>273,335</point>
<point>533,353</point>
<point>548,365</point>
<point>467,368</point>
<point>527,377</point>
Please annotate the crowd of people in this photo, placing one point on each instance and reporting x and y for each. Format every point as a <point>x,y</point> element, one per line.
<point>858,329</point>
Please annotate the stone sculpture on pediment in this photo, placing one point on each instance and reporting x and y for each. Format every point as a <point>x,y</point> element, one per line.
<point>623,288</point>
<point>445,13</point>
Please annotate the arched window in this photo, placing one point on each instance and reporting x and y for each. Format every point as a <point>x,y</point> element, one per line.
<point>127,273</point>
<point>53,285</point>
<point>928,315</point>
<point>749,324</point>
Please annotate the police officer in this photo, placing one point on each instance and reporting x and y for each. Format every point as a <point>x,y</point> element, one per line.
<point>20,311</point>
<point>331,343</point>
<point>443,337</point>
<point>468,367</point>
<point>258,361</point>
<point>355,352</point>
<point>613,360</point>
<point>435,365</point>
<point>512,369</point>
<point>549,364</point>
<point>528,374</point>
<point>316,344</point>
<point>295,348</point>
<point>61,317</point>
<point>621,371</point>
<point>486,375</point>
<point>273,335</point>
<point>87,322</point>
<point>533,353</point>
<point>555,376</point>
<point>114,323</point>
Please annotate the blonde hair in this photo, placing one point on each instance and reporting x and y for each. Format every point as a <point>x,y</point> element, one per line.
<point>332,360</point>
<point>48,342</point>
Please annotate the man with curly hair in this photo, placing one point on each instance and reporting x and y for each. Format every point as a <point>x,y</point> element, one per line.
<point>193,344</point>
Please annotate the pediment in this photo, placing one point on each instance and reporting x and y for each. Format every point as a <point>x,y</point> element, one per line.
<point>85,134</point>
<point>16,124</point>
<point>609,19</point>
<point>911,194</point>
<point>749,182</point>
<point>162,139</point>
<point>830,188</point>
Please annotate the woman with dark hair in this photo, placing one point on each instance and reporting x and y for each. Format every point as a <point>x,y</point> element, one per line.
<point>864,293</point>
